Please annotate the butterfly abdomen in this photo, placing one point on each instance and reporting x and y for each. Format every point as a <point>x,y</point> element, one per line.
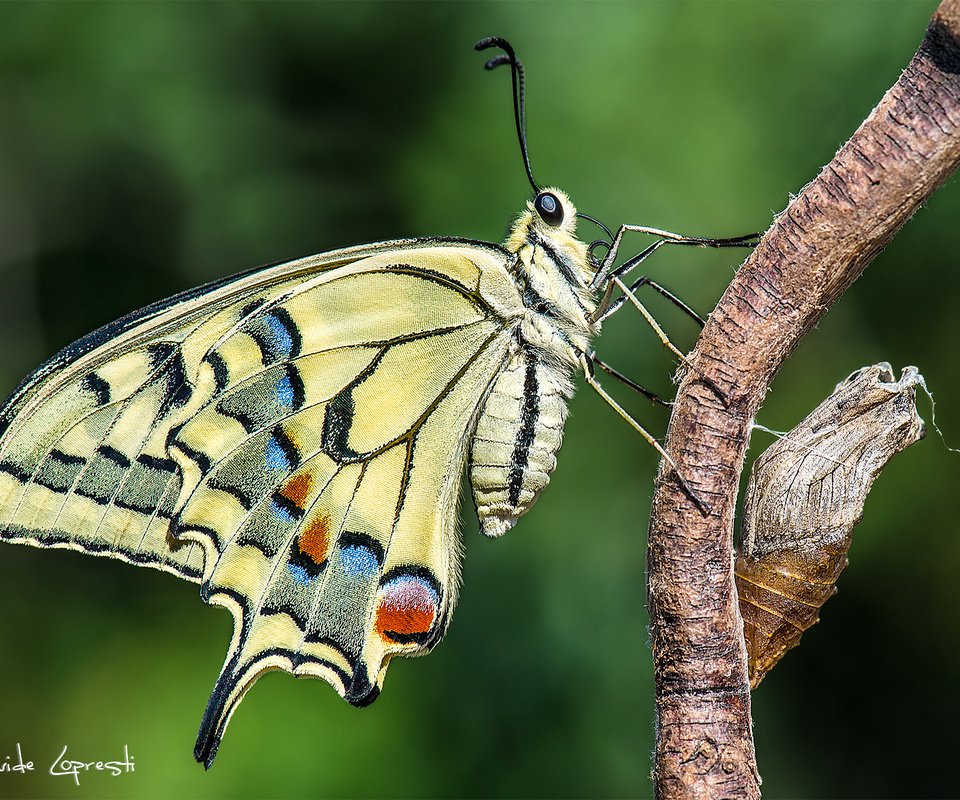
<point>514,448</point>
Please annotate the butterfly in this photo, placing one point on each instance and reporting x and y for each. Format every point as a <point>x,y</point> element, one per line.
<point>293,438</point>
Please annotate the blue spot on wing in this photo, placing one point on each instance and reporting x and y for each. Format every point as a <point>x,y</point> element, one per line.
<point>276,457</point>
<point>301,574</point>
<point>285,392</point>
<point>283,342</point>
<point>359,562</point>
<point>275,333</point>
<point>282,512</point>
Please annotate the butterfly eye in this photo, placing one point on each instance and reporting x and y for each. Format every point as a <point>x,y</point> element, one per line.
<point>549,208</point>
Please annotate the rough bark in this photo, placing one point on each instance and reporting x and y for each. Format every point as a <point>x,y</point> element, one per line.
<point>901,154</point>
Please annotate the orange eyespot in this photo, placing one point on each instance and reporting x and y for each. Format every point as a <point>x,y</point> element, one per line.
<point>408,608</point>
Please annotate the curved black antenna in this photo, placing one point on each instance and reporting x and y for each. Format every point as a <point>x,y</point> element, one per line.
<point>599,224</point>
<point>519,108</point>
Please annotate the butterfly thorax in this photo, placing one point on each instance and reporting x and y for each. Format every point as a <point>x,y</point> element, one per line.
<point>519,429</point>
<point>553,273</point>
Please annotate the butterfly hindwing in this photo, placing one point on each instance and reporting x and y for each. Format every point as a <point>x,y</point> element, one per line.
<point>333,539</point>
<point>292,439</point>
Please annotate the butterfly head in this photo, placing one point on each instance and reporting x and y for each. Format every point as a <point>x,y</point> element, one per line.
<point>549,216</point>
<point>550,223</point>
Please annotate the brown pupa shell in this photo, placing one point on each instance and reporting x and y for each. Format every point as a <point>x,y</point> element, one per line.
<point>804,498</point>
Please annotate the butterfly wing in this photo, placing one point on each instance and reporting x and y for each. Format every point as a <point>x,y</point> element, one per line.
<point>293,439</point>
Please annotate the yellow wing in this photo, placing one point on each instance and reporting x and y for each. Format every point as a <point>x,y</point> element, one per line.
<point>292,438</point>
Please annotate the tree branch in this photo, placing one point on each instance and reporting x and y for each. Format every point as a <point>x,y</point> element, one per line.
<point>901,154</point>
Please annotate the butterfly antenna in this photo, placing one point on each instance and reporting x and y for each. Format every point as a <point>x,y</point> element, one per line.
<point>600,225</point>
<point>519,107</point>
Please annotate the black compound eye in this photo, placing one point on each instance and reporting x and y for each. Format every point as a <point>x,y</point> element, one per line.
<point>549,208</point>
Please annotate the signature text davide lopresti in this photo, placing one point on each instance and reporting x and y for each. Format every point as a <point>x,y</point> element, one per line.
<point>64,765</point>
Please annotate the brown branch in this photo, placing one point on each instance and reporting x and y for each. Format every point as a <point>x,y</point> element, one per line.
<point>903,152</point>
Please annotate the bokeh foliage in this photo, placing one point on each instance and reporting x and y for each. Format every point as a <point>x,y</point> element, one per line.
<point>147,148</point>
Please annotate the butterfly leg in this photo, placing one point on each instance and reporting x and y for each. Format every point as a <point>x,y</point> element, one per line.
<point>663,237</point>
<point>615,373</point>
<point>615,305</point>
<point>590,376</point>
<point>607,302</point>
<point>664,338</point>
<point>608,305</point>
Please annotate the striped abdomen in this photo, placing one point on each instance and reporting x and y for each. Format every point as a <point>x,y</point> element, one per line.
<point>518,434</point>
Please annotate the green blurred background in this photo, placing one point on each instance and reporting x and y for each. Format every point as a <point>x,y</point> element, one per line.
<point>145,149</point>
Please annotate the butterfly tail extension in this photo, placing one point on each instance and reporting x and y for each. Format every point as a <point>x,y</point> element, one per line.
<point>256,650</point>
<point>235,681</point>
<point>223,700</point>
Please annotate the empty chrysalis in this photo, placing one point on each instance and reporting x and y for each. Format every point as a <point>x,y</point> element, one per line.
<point>805,495</point>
